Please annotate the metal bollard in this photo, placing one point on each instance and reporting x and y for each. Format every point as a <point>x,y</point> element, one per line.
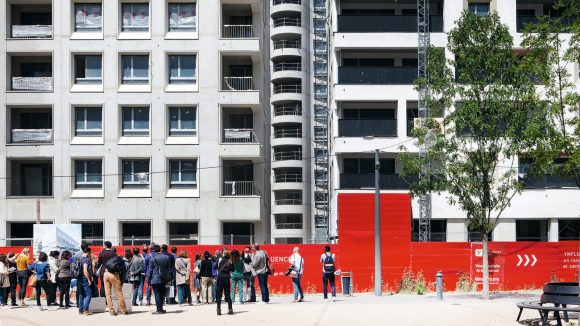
<point>439,285</point>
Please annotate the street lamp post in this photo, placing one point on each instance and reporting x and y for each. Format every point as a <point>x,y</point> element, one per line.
<point>378,278</point>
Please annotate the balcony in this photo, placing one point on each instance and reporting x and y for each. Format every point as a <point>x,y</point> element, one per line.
<point>234,84</point>
<point>367,181</point>
<point>32,20</point>
<point>290,2</point>
<point>367,127</point>
<point>30,177</point>
<point>32,84</point>
<point>287,21</point>
<point>549,181</point>
<point>30,73</point>
<point>288,133</point>
<point>237,31</point>
<point>385,24</point>
<point>377,75</point>
<point>31,136</point>
<point>294,110</point>
<point>287,66</point>
<point>288,155</point>
<point>287,176</point>
<point>288,88</point>
<point>239,136</point>
<point>287,44</point>
<point>238,188</point>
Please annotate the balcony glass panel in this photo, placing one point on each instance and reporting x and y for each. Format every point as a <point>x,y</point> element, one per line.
<point>385,24</point>
<point>377,75</point>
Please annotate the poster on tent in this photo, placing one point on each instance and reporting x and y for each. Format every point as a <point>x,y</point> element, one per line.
<point>60,237</point>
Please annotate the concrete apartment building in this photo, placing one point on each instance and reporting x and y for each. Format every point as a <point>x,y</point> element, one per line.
<point>223,121</point>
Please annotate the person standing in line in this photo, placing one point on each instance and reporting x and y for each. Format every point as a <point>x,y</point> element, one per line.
<point>261,267</point>
<point>63,279</point>
<point>197,277</point>
<point>42,270</point>
<point>136,272</point>
<point>328,260</point>
<point>182,278</point>
<point>4,280</point>
<point>84,284</point>
<point>96,279</point>
<point>249,276</point>
<point>12,278</point>
<point>165,251</point>
<point>22,273</point>
<point>76,269</point>
<point>237,276</point>
<point>297,265</point>
<point>205,271</point>
<point>128,260</point>
<point>158,277</point>
<point>115,273</point>
<point>223,282</point>
<point>53,262</point>
<point>146,258</point>
<point>104,256</point>
<point>216,258</point>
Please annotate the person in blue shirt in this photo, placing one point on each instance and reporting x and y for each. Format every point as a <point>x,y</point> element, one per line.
<point>84,283</point>
<point>41,269</point>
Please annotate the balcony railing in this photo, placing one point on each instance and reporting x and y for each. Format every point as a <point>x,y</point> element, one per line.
<point>295,89</point>
<point>31,31</point>
<point>288,156</point>
<point>285,44</point>
<point>32,136</point>
<point>377,75</point>
<point>288,201</point>
<point>549,181</point>
<point>287,177</point>
<point>367,127</point>
<point>32,84</point>
<point>239,136</point>
<point>285,66</point>
<point>238,188</point>
<point>289,226</point>
<point>237,31</point>
<point>367,180</point>
<point>522,20</point>
<point>288,133</point>
<point>385,23</point>
<point>293,2</point>
<point>233,84</point>
<point>286,21</point>
<point>287,110</point>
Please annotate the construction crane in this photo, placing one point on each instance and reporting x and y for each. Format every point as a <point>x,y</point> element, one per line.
<point>424,39</point>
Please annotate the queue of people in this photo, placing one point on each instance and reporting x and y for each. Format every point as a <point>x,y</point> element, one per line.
<point>154,270</point>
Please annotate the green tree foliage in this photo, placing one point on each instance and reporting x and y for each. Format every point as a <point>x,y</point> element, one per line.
<point>488,101</point>
<point>554,47</point>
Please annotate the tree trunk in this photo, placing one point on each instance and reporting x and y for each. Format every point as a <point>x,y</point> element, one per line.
<point>485,268</point>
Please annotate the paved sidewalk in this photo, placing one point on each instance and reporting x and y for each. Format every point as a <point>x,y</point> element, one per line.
<point>363,309</point>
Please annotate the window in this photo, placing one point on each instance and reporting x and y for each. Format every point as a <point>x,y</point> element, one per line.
<point>135,121</point>
<point>531,230</point>
<point>319,47</point>
<point>319,25</point>
<point>88,69</point>
<point>88,122</point>
<point>88,174</point>
<point>183,233</point>
<point>438,231</point>
<point>367,166</point>
<point>182,17</point>
<point>88,17</point>
<point>182,69</point>
<point>568,229</point>
<point>479,8</point>
<point>135,174</point>
<point>183,174</point>
<point>135,17</point>
<point>135,69</point>
<point>135,233</point>
<point>182,121</point>
<point>91,232</point>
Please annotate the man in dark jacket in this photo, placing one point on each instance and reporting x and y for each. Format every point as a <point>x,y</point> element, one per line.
<point>158,276</point>
<point>146,258</point>
<point>104,256</point>
<point>165,251</point>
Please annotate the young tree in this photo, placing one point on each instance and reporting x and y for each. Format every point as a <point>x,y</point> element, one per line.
<point>489,118</point>
<point>551,54</point>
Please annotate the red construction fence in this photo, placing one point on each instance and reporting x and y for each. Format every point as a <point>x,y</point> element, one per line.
<point>513,265</point>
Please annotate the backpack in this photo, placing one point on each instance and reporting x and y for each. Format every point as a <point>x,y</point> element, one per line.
<point>76,268</point>
<point>328,264</point>
<point>115,265</point>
